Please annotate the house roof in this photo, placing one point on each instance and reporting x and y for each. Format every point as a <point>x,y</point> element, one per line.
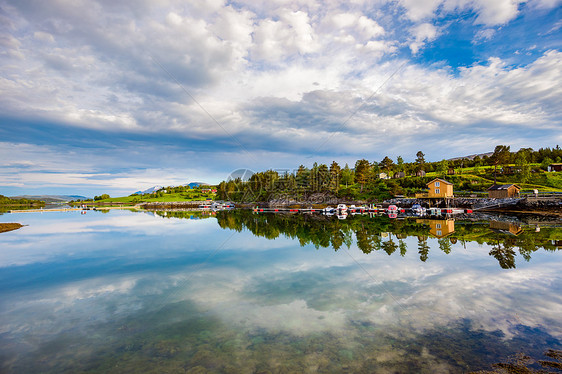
<point>497,187</point>
<point>440,180</point>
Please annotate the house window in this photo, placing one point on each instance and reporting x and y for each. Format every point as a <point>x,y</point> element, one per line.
<point>439,233</point>
<point>437,191</point>
<point>437,184</point>
<point>438,226</point>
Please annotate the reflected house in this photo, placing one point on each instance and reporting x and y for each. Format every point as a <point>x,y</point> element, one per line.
<point>438,188</point>
<point>500,191</point>
<point>557,243</point>
<point>439,228</point>
<point>506,227</point>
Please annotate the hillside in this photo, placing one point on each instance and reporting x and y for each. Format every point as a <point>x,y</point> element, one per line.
<point>51,198</point>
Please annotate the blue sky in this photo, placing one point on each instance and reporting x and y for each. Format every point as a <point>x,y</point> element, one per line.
<point>114,97</point>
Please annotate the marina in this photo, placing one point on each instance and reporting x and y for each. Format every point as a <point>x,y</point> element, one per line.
<point>343,210</point>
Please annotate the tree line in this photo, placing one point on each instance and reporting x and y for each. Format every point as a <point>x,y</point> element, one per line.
<point>367,179</point>
<point>7,201</point>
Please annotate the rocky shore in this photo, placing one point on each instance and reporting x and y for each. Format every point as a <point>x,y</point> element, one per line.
<point>550,206</point>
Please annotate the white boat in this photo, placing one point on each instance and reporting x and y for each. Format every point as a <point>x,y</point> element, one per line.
<point>418,210</point>
<point>392,209</point>
<point>328,209</point>
<point>435,211</point>
<point>342,208</point>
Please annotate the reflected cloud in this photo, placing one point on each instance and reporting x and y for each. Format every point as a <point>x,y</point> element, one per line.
<point>258,291</point>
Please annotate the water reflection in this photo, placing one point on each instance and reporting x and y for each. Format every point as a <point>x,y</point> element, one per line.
<point>136,292</point>
<point>381,233</point>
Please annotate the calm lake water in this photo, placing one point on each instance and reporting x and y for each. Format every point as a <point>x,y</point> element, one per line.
<point>180,292</point>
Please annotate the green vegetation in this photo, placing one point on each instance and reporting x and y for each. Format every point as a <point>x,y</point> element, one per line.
<point>384,234</point>
<point>168,194</point>
<point>7,203</point>
<point>368,181</point>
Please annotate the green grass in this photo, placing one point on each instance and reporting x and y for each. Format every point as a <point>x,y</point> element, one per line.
<point>541,181</point>
<point>191,195</point>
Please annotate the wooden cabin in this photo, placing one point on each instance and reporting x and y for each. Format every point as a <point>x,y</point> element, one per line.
<point>506,227</point>
<point>502,191</point>
<point>437,189</point>
<point>420,173</point>
<point>440,188</point>
<point>439,228</point>
<point>399,174</point>
<point>554,167</point>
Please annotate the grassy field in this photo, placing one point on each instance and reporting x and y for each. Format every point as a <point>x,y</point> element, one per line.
<point>484,177</point>
<point>190,195</point>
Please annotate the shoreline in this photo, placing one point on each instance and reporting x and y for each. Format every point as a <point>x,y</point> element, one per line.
<point>5,227</point>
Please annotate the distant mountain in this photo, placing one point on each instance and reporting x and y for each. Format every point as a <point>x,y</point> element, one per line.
<point>158,188</point>
<point>471,157</point>
<point>196,184</point>
<point>51,198</point>
<point>149,190</point>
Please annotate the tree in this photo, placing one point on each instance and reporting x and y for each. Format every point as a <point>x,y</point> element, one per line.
<point>500,157</point>
<point>545,162</point>
<point>362,172</point>
<point>444,245</point>
<point>523,165</point>
<point>101,197</point>
<point>335,176</point>
<point>443,167</point>
<point>420,160</point>
<point>400,163</point>
<point>302,177</point>
<point>386,163</point>
<point>323,177</point>
<point>423,248</point>
<point>314,183</point>
<point>347,176</point>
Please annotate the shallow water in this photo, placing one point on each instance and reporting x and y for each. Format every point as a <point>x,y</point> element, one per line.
<point>244,293</point>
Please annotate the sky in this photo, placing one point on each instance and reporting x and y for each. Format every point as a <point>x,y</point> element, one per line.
<point>113,97</point>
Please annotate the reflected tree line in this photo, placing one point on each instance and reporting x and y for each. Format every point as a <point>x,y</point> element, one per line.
<point>381,233</point>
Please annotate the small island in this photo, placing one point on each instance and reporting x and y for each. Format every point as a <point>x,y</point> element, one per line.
<point>5,227</point>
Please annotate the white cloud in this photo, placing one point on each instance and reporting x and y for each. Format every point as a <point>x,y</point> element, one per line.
<point>489,12</point>
<point>115,70</point>
<point>484,34</point>
<point>423,33</point>
<point>545,4</point>
<point>291,34</point>
<point>496,12</point>
<point>44,36</point>
<point>417,10</point>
